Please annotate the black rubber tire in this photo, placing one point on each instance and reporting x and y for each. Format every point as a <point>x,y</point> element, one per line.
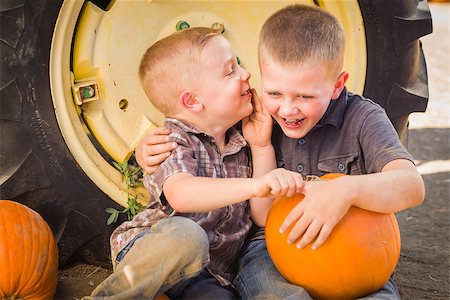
<point>38,170</point>
<point>396,75</point>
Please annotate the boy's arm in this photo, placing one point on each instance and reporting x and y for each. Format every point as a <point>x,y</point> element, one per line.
<point>263,161</point>
<point>398,186</point>
<point>257,130</point>
<point>189,194</point>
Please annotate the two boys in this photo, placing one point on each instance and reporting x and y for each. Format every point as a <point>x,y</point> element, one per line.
<point>320,128</point>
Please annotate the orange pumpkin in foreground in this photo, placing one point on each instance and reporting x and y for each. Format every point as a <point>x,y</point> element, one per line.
<point>28,254</point>
<point>357,259</point>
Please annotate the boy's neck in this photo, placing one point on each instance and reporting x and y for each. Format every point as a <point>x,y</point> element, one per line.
<point>214,129</point>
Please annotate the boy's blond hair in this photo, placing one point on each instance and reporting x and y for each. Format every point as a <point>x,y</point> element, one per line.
<point>168,66</point>
<point>299,34</point>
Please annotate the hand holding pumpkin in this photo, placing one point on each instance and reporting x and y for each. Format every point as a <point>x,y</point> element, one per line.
<point>324,205</point>
<point>357,259</point>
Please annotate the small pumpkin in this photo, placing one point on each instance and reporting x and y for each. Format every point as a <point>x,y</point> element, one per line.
<point>357,259</point>
<point>28,254</point>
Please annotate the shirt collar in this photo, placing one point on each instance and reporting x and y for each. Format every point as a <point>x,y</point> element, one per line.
<point>182,125</point>
<point>235,140</point>
<point>334,115</point>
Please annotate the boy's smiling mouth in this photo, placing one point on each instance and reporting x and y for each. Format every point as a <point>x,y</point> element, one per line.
<point>293,122</point>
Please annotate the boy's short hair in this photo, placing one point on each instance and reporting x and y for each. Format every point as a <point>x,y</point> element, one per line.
<point>167,66</point>
<point>300,34</point>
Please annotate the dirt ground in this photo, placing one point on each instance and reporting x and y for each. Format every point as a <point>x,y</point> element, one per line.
<point>424,267</point>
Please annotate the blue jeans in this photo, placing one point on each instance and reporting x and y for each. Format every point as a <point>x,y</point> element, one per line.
<point>202,287</point>
<point>259,279</point>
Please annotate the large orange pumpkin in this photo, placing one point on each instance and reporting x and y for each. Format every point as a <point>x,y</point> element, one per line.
<point>356,260</point>
<point>28,254</point>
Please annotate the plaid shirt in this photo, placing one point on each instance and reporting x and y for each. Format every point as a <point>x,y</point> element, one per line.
<point>198,154</point>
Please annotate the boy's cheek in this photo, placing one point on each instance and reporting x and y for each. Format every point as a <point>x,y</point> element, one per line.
<point>272,111</point>
<point>267,106</point>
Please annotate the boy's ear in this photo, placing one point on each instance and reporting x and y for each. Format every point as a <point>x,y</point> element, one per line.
<point>190,102</point>
<point>339,85</point>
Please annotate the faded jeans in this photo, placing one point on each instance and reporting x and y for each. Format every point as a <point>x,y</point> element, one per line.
<point>259,279</point>
<point>172,251</point>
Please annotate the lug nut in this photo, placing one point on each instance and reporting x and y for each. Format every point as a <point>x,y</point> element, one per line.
<point>181,25</point>
<point>218,26</point>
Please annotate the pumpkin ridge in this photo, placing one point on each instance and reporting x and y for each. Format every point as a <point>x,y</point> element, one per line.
<point>370,276</point>
<point>386,255</point>
<point>396,237</point>
<point>395,228</point>
<point>34,259</point>
<point>355,262</point>
<point>37,272</point>
<point>41,289</point>
<point>26,263</point>
<point>10,259</point>
<point>29,284</point>
<point>46,288</point>
<point>13,261</point>
<point>6,246</point>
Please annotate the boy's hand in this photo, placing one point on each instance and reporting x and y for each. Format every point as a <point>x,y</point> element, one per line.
<point>279,182</point>
<point>324,205</point>
<point>153,149</point>
<point>257,128</point>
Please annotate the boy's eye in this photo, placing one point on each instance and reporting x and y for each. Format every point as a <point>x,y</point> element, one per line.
<point>306,97</point>
<point>231,72</point>
<point>273,94</point>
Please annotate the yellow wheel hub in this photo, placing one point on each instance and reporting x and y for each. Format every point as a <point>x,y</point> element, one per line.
<point>100,106</point>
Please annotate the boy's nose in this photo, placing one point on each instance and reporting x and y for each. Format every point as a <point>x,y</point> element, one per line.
<point>245,75</point>
<point>287,108</point>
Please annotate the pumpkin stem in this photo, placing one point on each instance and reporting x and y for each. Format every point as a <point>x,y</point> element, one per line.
<point>312,178</point>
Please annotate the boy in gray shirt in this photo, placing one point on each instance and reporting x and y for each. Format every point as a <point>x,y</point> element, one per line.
<point>320,128</point>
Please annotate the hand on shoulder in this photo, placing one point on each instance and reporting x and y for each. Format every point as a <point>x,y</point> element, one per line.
<point>153,149</point>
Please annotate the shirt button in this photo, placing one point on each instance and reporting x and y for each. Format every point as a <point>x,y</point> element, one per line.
<point>341,167</point>
<point>300,168</point>
<point>301,142</point>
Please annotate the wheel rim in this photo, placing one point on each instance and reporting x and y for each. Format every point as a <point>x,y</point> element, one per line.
<point>94,60</point>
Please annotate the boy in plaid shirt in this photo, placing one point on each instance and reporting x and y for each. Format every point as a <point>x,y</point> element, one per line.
<point>188,241</point>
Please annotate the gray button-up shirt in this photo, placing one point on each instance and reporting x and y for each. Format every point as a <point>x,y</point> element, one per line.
<point>353,137</point>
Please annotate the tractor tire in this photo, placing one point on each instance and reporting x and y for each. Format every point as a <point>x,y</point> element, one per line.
<point>36,166</point>
<point>38,169</point>
<point>396,75</point>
